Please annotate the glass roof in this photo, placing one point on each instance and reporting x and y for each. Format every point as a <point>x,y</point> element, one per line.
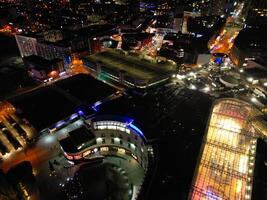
<point>226,163</point>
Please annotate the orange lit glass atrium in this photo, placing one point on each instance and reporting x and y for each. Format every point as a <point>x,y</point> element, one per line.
<point>226,163</point>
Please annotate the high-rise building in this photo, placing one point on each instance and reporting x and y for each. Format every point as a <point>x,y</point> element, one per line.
<point>258,8</point>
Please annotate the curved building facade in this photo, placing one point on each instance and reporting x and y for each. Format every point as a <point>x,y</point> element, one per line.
<point>106,136</point>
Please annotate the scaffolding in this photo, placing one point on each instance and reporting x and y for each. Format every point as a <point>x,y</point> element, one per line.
<point>226,162</point>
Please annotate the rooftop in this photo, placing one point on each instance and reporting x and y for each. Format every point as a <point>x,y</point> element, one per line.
<point>134,66</point>
<point>41,63</point>
<point>47,105</point>
<point>85,88</point>
<point>224,169</point>
<point>77,140</point>
<point>43,107</point>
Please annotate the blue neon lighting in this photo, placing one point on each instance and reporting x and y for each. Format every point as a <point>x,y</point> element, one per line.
<point>129,121</point>
<point>60,123</point>
<point>95,108</point>
<point>80,112</point>
<point>97,103</point>
<point>136,129</point>
<point>219,60</point>
<point>73,116</point>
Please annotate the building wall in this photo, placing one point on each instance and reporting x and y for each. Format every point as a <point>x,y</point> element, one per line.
<point>114,135</point>
<point>52,35</point>
<point>50,52</point>
<point>27,45</point>
<point>30,46</point>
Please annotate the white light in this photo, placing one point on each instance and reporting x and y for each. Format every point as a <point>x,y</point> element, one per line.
<point>180,76</point>
<point>206,89</point>
<point>191,74</point>
<point>265,84</point>
<point>253,99</point>
<point>99,140</point>
<point>72,163</point>
<point>95,150</point>
<point>241,70</point>
<point>250,79</point>
<point>80,146</point>
<point>193,87</point>
<point>49,139</point>
<point>132,145</point>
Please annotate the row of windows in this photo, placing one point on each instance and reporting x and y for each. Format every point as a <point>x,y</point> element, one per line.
<point>101,149</point>
<point>112,127</point>
<point>115,123</point>
<point>117,140</point>
<point>120,136</point>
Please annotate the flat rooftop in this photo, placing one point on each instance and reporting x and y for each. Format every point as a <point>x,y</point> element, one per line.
<point>47,105</point>
<point>76,138</point>
<point>43,107</point>
<point>86,88</point>
<point>133,66</point>
<point>225,168</point>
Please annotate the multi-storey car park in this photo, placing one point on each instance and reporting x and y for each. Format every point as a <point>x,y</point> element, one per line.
<point>129,69</point>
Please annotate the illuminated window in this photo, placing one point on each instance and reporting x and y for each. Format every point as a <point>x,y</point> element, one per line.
<point>69,157</point>
<point>121,151</point>
<point>104,149</point>
<point>86,153</point>
<point>77,157</point>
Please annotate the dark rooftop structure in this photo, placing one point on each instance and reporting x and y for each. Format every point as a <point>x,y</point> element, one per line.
<point>93,30</point>
<point>41,63</point>
<point>43,107</point>
<point>47,105</point>
<point>256,72</point>
<point>252,39</point>
<point>138,36</point>
<point>77,140</point>
<point>85,88</point>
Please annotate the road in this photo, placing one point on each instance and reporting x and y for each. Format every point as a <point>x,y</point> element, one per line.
<point>223,43</point>
<point>44,150</point>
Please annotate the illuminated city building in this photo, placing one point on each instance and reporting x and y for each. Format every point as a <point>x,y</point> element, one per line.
<point>258,8</point>
<point>42,69</point>
<point>107,135</point>
<point>226,163</point>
